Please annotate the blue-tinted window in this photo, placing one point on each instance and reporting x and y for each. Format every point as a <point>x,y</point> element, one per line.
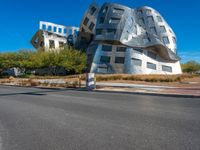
<point>167,68</point>
<point>119,60</point>
<point>151,55</point>
<point>137,62</point>
<point>107,48</point>
<point>105,59</point>
<point>151,66</point>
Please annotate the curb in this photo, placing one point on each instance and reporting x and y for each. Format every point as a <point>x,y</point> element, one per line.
<point>150,94</point>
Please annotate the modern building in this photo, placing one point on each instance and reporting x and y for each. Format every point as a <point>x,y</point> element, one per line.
<point>51,37</point>
<point>120,39</point>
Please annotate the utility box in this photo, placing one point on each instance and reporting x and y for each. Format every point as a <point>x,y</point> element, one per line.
<point>90,81</point>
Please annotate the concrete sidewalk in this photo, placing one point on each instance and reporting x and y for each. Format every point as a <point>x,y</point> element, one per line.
<point>149,89</point>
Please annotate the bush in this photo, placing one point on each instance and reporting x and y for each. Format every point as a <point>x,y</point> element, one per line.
<point>72,60</point>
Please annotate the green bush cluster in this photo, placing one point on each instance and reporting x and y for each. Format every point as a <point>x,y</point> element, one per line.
<point>72,60</point>
<point>191,67</point>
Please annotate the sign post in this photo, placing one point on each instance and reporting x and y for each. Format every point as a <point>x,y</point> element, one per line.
<point>90,81</point>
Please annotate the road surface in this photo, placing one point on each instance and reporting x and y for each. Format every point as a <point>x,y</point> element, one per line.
<point>47,119</point>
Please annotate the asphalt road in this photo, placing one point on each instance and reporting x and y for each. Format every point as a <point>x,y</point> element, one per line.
<point>44,119</point>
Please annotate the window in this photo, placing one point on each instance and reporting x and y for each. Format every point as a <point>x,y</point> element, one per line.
<point>121,49</point>
<point>162,29</point>
<point>85,22</point>
<point>137,62</point>
<point>101,20</point>
<point>55,29</point>
<point>119,60</point>
<point>83,30</point>
<point>92,10</point>
<point>150,19</point>
<point>159,19</point>
<point>105,59</point>
<point>174,40</point>
<point>146,40</point>
<point>165,40</point>
<point>153,30</point>
<point>51,44</point>
<point>61,44</point>
<point>105,10</point>
<point>107,48</point>
<point>65,31</point>
<point>139,51</point>
<point>49,28</point>
<point>44,27</point>
<point>148,11</point>
<point>151,55</point>
<point>60,30</point>
<point>111,31</point>
<point>102,69</point>
<point>91,27</point>
<point>118,10</point>
<point>114,20</point>
<point>99,31</point>
<point>139,12</point>
<point>151,66</point>
<point>166,68</point>
<point>141,21</point>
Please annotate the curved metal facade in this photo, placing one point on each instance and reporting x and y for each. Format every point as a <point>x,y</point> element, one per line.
<point>126,40</point>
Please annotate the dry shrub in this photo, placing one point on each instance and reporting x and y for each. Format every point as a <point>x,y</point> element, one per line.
<point>33,83</point>
<point>145,78</point>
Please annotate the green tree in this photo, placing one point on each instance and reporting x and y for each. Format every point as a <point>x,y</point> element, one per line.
<point>190,67</point>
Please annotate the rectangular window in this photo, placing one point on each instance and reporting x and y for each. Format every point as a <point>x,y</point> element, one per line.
<point>151,66</point>
<point>139,51</point>
<point>105,59</point>
<point>111,31</point>
<point>99,31</point>
<point>114,20</point>
<point>106,48</point>
<point>65,31</point>
<point>119,60</point>
<point>137,62</point>
<point>150,19</point>
<point>118,11</point>
<point>166,68</point>
<point>153,30</point>
<point>49,28</point>
<point>101,20</point>
<point>60,30</point>
<point>104,10</point>
<point>151,55</point>
<point>165,40</point>
<point>92,10</point>
<point>141,21</point>
<point>55,29</point>
<point>91,27</point>
<point>85,22</point>
<point>121,49</point>
<point>174,40</point>
<point>146,40</point>
<point>102,69</point>
<point>44,27</point>
<point>159,19</point>
<point>162,29</point>
<point>51,44</point>
<point>139,12</point>
<point>148,12</point>
<point>61,44</point>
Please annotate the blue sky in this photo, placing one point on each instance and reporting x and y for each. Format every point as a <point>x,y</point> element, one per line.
<point>19,20</point>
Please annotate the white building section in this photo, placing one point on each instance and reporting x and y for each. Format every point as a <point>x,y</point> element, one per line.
<point>53,37</point>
